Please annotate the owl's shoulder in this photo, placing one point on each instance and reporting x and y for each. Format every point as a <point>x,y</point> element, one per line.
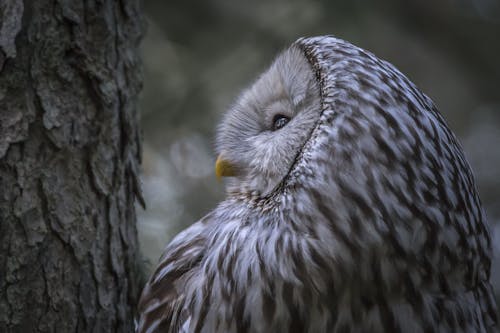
<point>163,300</point>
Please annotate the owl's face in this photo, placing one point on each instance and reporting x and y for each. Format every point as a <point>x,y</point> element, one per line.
<point>262,134</point>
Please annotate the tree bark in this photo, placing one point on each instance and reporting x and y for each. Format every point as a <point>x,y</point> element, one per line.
<point>69,154</point>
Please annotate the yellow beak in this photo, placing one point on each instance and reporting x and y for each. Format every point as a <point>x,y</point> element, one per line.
<point>224,168</point>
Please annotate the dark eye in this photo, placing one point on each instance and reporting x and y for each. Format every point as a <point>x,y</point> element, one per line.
<point>280,121</point>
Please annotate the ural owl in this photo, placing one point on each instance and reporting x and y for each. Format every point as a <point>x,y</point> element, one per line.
<point>350,208</point>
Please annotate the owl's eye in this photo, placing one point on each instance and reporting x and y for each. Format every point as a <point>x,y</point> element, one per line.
<point>279,121</point>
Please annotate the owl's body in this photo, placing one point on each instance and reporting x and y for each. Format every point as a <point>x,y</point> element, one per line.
<point>350,208</point>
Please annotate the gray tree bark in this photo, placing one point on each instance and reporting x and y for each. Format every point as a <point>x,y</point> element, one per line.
<point>69,155</point>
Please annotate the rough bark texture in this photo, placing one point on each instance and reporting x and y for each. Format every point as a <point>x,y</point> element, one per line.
<point>69,155</point>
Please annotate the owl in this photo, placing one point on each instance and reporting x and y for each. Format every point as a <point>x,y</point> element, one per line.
<point>350,207</point>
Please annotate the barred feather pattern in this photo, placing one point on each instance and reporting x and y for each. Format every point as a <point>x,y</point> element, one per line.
<point>376,227</point>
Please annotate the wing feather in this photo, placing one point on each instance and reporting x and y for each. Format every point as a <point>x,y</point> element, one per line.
<point>162,306</point>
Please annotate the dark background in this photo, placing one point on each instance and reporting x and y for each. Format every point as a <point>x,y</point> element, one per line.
<point>198,55</point>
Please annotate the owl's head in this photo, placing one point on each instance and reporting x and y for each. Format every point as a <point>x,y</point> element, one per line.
<point>263,133</point>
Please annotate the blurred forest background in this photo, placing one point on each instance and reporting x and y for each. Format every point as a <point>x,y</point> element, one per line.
<point>198,55</point>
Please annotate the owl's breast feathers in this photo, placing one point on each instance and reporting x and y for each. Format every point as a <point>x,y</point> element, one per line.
<point>247,272</point>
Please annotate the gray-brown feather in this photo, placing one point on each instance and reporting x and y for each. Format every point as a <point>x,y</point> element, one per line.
<point>361,214</point>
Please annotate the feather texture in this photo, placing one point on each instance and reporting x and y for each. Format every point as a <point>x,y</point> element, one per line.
<point>360,214</point>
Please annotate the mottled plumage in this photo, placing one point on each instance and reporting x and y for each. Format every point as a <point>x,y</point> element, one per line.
<point>350,208</point>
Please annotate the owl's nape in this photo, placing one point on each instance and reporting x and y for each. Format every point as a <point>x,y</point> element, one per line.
<point>350,207</point>
<point>262,134</point>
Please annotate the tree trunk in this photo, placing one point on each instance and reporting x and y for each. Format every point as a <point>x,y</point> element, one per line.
<point>69,155</point>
